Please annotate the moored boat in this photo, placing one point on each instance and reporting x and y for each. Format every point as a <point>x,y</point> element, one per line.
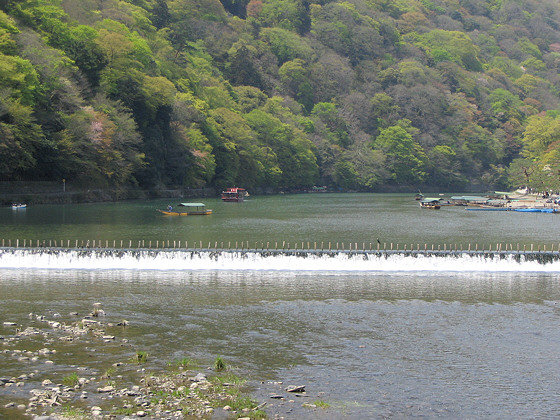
<point>191,209</point>
<point>18,206</point>
<point>430,203</point>
<point>536,210</point>
<point>234,194</point>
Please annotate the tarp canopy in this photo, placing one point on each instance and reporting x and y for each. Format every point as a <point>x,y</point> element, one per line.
<point>468,198</point>
<point>192,204</point>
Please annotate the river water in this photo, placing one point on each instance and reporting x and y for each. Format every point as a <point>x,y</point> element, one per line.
<point>457,339</point>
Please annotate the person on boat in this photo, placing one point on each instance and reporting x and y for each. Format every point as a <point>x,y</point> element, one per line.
<point>170,207</point>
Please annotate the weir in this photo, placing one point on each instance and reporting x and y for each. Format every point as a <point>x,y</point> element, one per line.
<point>302,259</point>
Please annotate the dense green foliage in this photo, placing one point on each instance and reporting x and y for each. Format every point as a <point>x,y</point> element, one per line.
<point>352,94</point>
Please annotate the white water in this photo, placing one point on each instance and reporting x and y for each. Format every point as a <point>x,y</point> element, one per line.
<point>97,259</point>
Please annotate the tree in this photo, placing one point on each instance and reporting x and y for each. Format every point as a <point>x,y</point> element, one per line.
<point>295,77</point>
<point>451,46</point>
<point>20,138</point>
<point>405,158</point>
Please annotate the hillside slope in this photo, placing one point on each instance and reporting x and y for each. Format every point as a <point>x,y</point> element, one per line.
<point>281,93</point>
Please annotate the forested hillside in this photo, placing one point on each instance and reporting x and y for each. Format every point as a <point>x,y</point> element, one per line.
<point>357,94</point>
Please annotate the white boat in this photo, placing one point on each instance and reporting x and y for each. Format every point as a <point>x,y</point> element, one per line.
<point>18,206</point>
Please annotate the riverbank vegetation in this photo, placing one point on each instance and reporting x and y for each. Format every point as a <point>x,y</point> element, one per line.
<point>276,94</point>
<point>176,390</point>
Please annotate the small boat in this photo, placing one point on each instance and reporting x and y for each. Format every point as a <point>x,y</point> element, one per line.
<point>430,203</point>
<point>18,206</point>
<point>191,209</point>
<point>234,194</point>
<point>419,196</point>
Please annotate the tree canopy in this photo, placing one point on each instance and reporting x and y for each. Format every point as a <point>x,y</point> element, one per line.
<point>281,94</point>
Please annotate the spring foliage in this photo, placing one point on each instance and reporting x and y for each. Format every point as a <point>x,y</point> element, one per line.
<point>280,94</point>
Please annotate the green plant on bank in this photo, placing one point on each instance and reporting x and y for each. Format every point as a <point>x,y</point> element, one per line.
<point>184,363</point>
<point>176,393</point>
<point>140,357</point>
<point>74,413</point>
<point>108,373</point>
<point>125,411</point>
<point>219,364</point>
<point>321,404</point>
<point>71,380</point>
<point>227,379</point>
<point>159,396</point>
<point>227,391</point>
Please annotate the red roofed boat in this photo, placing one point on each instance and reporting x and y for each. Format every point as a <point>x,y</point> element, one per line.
<point>234,194</point>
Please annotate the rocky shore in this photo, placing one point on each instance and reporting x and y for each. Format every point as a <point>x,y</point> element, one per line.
<point>115,381</point>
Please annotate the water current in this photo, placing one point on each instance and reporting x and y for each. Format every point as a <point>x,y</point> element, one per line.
<point>463,338</point>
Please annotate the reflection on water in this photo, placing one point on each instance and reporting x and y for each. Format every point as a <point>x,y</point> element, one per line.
<point>337,218</point>
<point>372,345</point>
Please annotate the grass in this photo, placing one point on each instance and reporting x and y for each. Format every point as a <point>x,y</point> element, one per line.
<point>140,357</point>
<point>108,373</point>
<point>321,404</point>
<point>125,411</point>
<point>219,364</point>
<point>228,378</point>
<point>227,389</point>
<point>71,380</point>
<point>74,413</point>
<point>184,363</point>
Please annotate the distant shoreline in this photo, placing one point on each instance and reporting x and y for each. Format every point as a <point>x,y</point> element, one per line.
<point>48,192</point>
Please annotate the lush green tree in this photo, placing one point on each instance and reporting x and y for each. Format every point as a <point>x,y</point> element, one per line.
<point>541,137</point>
<point>454,46</point>
<point>286,45</point>
<point>295,77</point>
<point>505,105</point>
<point>20,138</point>
<point>405,159</point>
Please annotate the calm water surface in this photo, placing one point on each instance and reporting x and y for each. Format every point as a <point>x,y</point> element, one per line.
<point>371,344</point>
<point>356,218</point>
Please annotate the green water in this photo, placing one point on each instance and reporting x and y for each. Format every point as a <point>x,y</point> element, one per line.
<point>307,218</point>
<point>374,344</point>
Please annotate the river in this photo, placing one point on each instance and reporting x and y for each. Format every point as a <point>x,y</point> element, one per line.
<point>452,340</point>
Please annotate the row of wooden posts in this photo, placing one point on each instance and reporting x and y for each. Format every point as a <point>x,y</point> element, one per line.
<point>268,246</point>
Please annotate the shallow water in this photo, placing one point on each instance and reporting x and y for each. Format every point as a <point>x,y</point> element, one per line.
<point>369,344</point>
<point>452,338</point>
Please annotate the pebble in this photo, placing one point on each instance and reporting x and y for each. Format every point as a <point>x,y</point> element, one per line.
<point>51,398</point>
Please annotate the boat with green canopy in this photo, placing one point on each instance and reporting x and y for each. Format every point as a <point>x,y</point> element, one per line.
<point>190,209</point>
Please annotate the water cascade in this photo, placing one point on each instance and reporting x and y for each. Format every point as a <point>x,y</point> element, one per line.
<point>411,260</point>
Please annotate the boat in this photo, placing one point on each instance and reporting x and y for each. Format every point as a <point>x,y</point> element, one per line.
<point>489,208</point>
<point>191,209</point>
<point>536,210</point>
<point>18,206</point>
<point>234,194</point>
<point>419,196</point>
<point>430,203</point>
